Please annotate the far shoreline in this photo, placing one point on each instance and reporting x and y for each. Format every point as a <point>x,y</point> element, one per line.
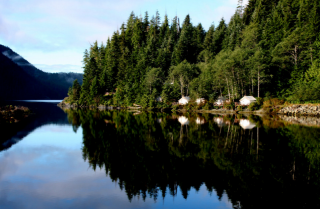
<point>292,110</point>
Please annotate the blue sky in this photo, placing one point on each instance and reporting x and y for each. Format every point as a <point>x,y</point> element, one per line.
<point>53,34</point>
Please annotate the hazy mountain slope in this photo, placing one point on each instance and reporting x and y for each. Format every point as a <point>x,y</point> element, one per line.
<point>58,83</point>
<point>15,83</point>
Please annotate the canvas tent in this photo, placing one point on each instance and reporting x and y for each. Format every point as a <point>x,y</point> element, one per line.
<point>200,100</point>
<point>184,100</point>
<point>220,101</point>
<point>247,100</point>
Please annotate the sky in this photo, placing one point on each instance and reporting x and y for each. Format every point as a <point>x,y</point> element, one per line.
<point>53,34</point>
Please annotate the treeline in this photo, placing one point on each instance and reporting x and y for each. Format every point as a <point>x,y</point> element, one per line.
<point>269,48</point>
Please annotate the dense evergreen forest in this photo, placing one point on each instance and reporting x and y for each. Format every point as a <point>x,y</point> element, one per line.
<point>269,48</point>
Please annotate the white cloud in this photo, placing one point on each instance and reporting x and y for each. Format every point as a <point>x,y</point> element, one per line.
<point>12,57</point>
<point>38,29</point>
<point>59,68</point>
<point>54,32</point>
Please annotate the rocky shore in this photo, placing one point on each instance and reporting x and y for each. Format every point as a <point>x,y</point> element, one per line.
<point>102,107</point>
<point>304,109</point>
<point>181,110</point>
<point>13,114</point>
<point>301,109</point>
<point>301,120</point>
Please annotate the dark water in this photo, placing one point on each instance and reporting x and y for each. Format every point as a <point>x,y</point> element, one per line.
<point>119,159</point>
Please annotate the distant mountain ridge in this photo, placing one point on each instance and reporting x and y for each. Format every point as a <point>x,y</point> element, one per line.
<point>19,79</point>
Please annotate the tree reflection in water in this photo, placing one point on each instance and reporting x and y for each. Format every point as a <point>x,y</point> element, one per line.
<point>268,164</point>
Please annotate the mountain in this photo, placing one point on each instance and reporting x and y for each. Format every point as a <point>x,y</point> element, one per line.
<point>15,83</point>
<point>19,79</point>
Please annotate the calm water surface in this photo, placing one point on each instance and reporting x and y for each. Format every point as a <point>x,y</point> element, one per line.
<point>119,159</point>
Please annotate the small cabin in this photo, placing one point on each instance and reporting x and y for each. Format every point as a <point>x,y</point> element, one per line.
<point>184,100</point>
<point>247,100</point>
<point>221,100</point>
<point>200,101</point>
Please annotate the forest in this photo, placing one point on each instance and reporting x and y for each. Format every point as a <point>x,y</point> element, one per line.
<point>269,48</point>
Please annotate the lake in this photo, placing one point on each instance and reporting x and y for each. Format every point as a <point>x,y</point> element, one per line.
<point>118,159</point>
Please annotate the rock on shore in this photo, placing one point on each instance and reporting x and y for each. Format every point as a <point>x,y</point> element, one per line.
<point>13,114</point>
<point>306,109</point>
<point>301,120</point>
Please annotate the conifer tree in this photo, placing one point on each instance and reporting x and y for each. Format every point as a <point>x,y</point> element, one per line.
<point>263,43</point>
<point>186,47</point>
<point>94,91</point>
<point>208,38</point>
<point>76,88</point>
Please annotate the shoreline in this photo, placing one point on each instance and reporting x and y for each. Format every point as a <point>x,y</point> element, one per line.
<point>309,110</point>
<point>13,114</point>
<point>132,109</point>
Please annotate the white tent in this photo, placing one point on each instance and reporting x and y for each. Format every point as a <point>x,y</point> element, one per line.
<point>246,124</point>
<point>221,100</point>
<point>184,100</point>
<point>247,100</point>
<point>200,100</point>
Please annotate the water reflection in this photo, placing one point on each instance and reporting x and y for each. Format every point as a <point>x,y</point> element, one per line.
<point>183,120</point>
<point>247,124</point>
<point>219,121</point>
<point>252,160</point>
<point>200,121</point>
<point>42,114</point>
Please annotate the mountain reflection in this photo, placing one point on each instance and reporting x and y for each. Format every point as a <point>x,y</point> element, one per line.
<point>257,162</point>
<point>42,114</point>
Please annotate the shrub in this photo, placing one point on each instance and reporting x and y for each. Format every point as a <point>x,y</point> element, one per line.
<point>272,102</point>
<point>229,106</point>
<point>162,105</point>
<point>108,102</point>
<point>175,107</point>
<point>207,106</point>
<point>239,108</point>
<point>254,106</point>
<point>192,106</point>
<point>260,101</point>
<point>151,103</point>
<point>144,102</point>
